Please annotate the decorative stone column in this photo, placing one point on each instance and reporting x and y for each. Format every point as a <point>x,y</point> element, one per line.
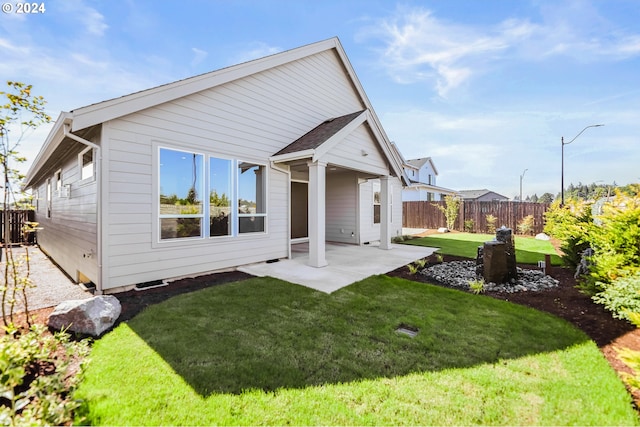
<point>505,235</point>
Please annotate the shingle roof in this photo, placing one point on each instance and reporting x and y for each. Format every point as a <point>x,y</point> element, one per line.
<point>418,163</point>
<point>318,135</point>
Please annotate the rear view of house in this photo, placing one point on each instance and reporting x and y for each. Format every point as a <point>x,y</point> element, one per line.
<point>219,170</point>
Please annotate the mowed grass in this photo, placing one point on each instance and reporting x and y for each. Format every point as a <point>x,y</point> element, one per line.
<point>268,352</point>
<point>528,249</point>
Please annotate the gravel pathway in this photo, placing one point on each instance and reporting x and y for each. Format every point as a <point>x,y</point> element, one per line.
<point>51,285</point>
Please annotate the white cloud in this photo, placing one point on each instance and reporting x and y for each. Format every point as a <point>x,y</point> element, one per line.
<point>89,18</point>
<point>199,55</point>
<point>417,46</point>
<point>254,51</point>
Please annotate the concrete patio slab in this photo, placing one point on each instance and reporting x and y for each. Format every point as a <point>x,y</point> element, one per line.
<point>347,264</point>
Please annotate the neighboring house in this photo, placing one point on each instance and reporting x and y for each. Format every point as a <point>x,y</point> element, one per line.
<point>422,186</point>
<point>482,196</point>
<point>218,170</point>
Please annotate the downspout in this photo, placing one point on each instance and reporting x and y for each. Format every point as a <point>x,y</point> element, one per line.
<point>68,134</point>
<point>288,172</point>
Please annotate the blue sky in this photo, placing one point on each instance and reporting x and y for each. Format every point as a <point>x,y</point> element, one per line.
<point>486,88</point>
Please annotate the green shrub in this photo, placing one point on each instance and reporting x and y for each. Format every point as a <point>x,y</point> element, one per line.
<point>491,223</point>
<point>450,210</point>
<point>614,237</point>
<point>413,269</point>
<point>525,226</point>
<point>476,286</point>
<point>569,224</point>
<point>469,225</point>
<point>631,358</point>
<point>39,373</point>
<point>621,297</point>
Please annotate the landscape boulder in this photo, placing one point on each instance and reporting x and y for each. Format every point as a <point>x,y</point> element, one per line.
<point>90,316</point>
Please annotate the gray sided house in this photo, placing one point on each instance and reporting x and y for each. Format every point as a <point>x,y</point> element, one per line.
<point>422,174</point>
<point>218,170</point>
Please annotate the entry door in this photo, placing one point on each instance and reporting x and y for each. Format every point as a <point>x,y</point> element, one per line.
<point>299,210</point>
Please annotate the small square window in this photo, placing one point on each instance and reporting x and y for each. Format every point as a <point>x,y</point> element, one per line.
<point>86,164</point>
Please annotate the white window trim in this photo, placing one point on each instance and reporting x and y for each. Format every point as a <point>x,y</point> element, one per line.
<point>57,179</point>
<point>157,242</point>
<point>81,166</point>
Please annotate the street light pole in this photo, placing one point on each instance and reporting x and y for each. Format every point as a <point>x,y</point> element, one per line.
<point>522,176</point>
<point>562,159</point>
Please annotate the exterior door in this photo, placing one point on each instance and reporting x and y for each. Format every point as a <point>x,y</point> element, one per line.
<point>299,210</point>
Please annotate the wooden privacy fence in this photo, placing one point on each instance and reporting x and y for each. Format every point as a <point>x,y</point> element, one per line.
<point>509,214</point>
<point>17,219</point>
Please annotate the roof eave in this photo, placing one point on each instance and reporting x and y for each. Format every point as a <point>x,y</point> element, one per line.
<point>296,155</point>
<point>53,141</point>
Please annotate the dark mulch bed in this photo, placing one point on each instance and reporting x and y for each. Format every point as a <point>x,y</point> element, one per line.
<point>565,301</point>
<point>134,301</point>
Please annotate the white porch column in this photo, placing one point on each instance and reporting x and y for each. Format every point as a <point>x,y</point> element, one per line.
<point>317,211</point>
<point>385,213</point>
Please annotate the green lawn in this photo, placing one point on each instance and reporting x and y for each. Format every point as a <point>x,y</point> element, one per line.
<point>268,352</point>
<point>528,249</point>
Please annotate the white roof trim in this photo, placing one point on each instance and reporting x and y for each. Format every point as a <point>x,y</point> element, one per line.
<point>53,141</point>
<point>328,145</point>
<point>297,155</point>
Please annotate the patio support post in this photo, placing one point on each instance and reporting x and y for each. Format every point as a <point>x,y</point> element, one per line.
<point>385,213</point>
<point>317,212</point>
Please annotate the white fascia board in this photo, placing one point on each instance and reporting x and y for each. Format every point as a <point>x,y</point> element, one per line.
<point>443,190</point>
<point>289,157</point>
<point>53,141</point>
<point>330,143</point>
<point>385,144</point>
<point>128,104</point>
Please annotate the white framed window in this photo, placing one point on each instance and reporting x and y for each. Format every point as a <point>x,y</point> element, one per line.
<point>86,163</point>
<point>252,209</point>
<point>184,211</point>
<point>49,201</point>
<point>376,202</point>
<point>180,200</point>
<point>57,180</point>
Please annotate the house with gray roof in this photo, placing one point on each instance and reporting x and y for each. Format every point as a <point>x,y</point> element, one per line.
<point>422,175</point>
<point>219,170</point>
<point>483,195</point>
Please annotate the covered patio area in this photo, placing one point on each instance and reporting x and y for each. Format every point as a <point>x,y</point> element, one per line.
<point>346,264</point>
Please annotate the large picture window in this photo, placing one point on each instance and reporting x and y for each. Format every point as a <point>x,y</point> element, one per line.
<point>181,189</point>
<point>184,180</point>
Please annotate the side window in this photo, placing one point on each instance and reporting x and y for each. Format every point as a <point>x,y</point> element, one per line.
<point>57,179</point>
<point>181,188</point>
<point>252,210</point>
<point>376,202</point>
<point>219,197</point>
<point>49,203</point>
<point>86,163</point>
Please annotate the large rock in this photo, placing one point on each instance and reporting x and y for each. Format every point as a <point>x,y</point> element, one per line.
<point>90,316</point>
<point>494,262</point>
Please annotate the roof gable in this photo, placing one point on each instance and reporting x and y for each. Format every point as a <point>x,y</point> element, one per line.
<point>95,114</point>
<point>118,107</point>
<point>319,135</point>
